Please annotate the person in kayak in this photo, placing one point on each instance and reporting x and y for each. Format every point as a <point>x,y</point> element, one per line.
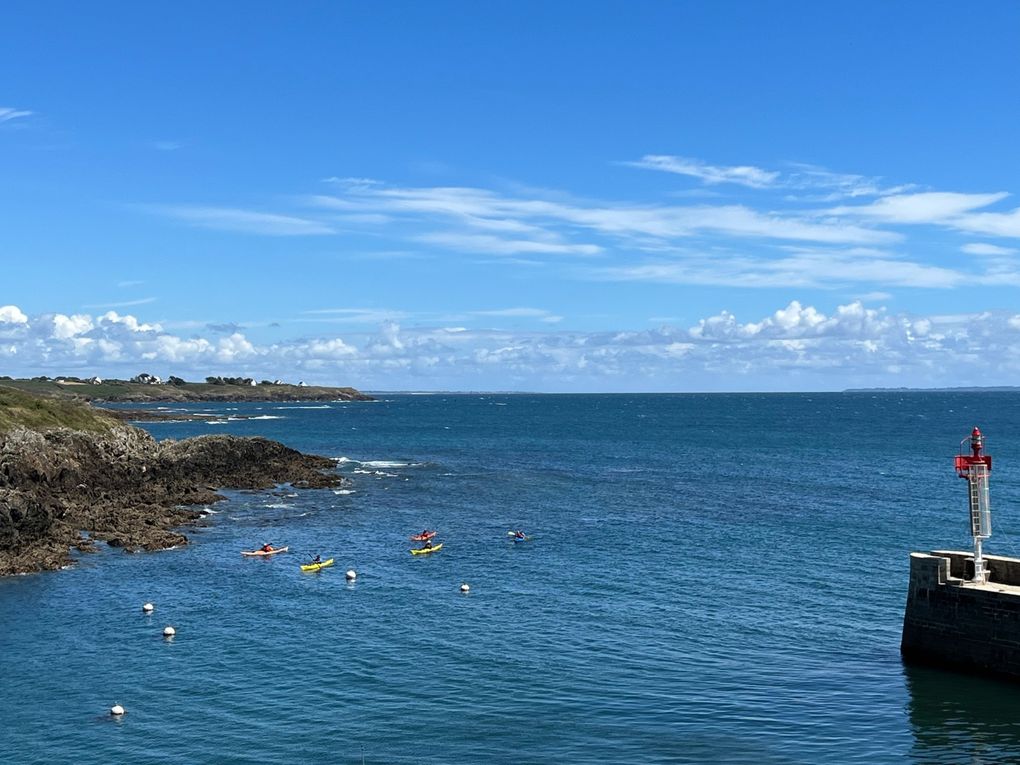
<point>427,545</point>
<point>519,534</point>
<point>267,547</point>
<point>317,559</point>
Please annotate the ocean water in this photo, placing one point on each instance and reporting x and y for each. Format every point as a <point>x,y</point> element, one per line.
<point>712,579</point>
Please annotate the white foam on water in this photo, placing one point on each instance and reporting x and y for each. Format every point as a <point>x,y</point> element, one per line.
<point>342,460</point>
<point>279,505</point>
<point>322,406</point>
<point>359,470</point>
<point>343,491</point>
<point>216,422</point>
<point>267,417</point>
<point>383,474</point>
<point>389,464</point>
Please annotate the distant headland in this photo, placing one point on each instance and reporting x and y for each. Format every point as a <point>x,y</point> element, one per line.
<point>962,389</point>
<point>147,387</point>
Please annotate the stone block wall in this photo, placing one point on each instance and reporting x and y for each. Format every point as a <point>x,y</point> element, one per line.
<point>963,627</point>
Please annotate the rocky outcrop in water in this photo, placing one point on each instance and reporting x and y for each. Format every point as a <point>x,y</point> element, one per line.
<point>64,488</point>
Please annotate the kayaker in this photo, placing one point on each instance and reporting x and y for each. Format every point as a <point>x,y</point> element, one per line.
<point>317,559</point>
<point>267,547</point>
<point>519,534</point>
<point>428,545</point>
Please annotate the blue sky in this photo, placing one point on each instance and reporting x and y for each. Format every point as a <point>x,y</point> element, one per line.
<point>526,196</point>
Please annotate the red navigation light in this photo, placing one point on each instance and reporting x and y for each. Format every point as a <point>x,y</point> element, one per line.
<point>964,462</point>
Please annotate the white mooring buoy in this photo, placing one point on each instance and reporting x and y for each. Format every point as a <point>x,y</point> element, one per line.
<point>351,575</point>
<point>148,608</point>
<point>169,631</point>
<point>465,588</point>
<point>116,710</point>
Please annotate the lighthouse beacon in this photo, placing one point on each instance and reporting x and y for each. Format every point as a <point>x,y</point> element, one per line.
<point>975,468</point>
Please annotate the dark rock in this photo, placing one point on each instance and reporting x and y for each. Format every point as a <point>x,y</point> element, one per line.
<point>125,488</point>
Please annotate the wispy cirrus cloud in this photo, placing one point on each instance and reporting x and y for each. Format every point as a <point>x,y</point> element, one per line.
<point>475,209</point>
<point>822,269</point>
<point>799,177</point>
<point>743,175</point>
<point>695,242</point>
<point>924,207</point>
<point>353,315</point>
<point>122,303</point>
<point>8,114</point>
<point>493,245</point>
<point>540,314</point>
<point>242,221</point>
<point>983,248</point>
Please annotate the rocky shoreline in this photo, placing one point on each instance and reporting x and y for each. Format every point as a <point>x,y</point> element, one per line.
<point>62,488</point>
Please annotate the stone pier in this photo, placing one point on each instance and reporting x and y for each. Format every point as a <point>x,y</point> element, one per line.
<point>955,623</point>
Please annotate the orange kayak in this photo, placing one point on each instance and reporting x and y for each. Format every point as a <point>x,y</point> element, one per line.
<point>261,553</point>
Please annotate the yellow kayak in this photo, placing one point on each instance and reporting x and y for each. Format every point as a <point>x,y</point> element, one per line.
<point>317,566</point>
<point>425,550</point>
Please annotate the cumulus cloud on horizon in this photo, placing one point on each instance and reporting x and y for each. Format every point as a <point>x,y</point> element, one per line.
<point>796,347</point>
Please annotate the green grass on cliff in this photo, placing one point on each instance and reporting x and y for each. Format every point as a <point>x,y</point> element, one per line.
<point>120,390</point>
<point>42,413</point>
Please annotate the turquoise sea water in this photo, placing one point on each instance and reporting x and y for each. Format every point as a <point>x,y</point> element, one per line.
<point>713,579</point>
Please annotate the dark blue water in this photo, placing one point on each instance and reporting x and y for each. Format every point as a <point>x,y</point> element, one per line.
<point>713,579</point>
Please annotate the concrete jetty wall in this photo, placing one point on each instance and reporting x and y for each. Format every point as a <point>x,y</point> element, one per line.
<point>955,623</point>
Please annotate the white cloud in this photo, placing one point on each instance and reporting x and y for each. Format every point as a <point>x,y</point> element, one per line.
<point>243,221</point>
<point>925,207</point>
<point>805,269</point>
<point>797,346</point>
<point>522,313</point>
<point>11,314</point>
<point>744,175</point>
<point>825,184</point>
<point>991,223</point>
<point>65,327</point>
<point>491,245</point>
<point>353,315</point>
<point>123,303</point>
<point>7,114</point>
<point>550,223</point>
<point>981,248</point>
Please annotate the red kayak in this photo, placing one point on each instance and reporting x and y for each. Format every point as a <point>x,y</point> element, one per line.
<point>424,537</point>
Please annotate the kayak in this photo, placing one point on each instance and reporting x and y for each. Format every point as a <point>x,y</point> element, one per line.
<point>517,538</point>
<point>423,537</point>
<point>426,550</point>
<point>317,566</point>
<point>263,553</point>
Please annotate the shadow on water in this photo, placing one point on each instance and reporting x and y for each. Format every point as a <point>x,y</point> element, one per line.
<point>957,719</point>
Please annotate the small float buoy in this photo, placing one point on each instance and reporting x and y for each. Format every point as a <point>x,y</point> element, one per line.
<point>148,608</point>
<point>465,588</point>
<point>169,632</point>
<point>116,710</point>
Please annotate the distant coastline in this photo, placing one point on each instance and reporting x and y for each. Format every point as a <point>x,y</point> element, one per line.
<point>962,389</point>
<point>148,388</point>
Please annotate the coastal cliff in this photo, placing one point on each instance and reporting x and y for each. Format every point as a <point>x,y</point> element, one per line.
<point>180,391</point>
<point>71,474</point>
